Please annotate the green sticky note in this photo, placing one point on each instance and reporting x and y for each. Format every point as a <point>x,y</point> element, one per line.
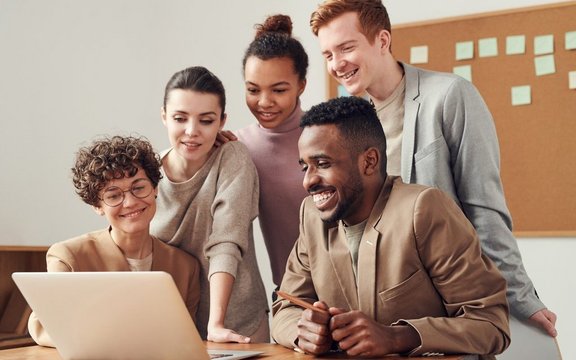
<point>515,45</point>
<point>487,47</point>
<point>544,65</point>
<point>464,71</point>
<point>543,44</point>
<point>570,43</point>
<point>572,80</point>
<point>419,54</point>
<point>342,91</point>
<point>521,95</point>
<point>465,50</point>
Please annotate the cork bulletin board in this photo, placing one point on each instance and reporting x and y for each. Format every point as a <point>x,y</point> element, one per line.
<point>537,139</point>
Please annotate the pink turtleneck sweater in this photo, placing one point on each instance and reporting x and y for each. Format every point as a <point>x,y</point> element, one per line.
<point>275,154</point>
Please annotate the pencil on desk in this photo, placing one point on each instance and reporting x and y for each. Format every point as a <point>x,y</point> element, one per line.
<point>300,302</point>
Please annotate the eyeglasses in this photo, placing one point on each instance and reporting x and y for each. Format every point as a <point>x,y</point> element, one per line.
<point>114,196</point>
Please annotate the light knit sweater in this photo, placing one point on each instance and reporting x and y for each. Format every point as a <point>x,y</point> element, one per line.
<point>275,154</point>
<point>210,216</point>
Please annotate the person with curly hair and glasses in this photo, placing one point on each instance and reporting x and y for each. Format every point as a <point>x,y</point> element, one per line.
<point>118,177</point>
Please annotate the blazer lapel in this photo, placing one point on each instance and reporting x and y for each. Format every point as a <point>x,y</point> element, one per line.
<point>368,254</point>
<point>115,260</point>
<point>411,107</point>
<point>367,262</point>
<point>342,265</point>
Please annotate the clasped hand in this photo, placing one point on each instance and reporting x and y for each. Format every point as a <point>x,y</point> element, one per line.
<point>356,334</point>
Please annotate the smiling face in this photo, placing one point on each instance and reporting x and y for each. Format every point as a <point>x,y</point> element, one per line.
<point>350,58</point>
<point>133,215</point>
<point>272,89</point>
<point>332,175</point>
<point>193,120</point>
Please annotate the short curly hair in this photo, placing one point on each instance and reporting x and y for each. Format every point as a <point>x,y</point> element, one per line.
<point>357,121</point>
<point>112,158</point>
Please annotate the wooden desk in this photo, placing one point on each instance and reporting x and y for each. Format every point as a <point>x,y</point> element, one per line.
<point>271,351</point>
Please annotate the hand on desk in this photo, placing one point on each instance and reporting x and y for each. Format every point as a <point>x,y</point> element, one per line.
<point>221,334</point>
<point>356,333</point>
<point>546,320</point>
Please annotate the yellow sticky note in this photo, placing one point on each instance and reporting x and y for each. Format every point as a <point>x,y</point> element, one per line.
<point>543,44</point>
<point>464,71</point>
<point>464,50</point>
<point>544,65</point>
<point>521,95</point>
<point>572,80</point>
<point>570,40</point>
<point>487,47</point>
<point>515,45</point>
<point>419,54</point>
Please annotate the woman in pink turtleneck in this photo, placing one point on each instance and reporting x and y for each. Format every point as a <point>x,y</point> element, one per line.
<point>275,66</point>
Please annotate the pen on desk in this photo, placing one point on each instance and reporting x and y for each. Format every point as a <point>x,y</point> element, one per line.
<point>300,302</point>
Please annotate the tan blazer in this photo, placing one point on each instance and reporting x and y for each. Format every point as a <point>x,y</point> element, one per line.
<point>97,251</point>
<point>419,262</point>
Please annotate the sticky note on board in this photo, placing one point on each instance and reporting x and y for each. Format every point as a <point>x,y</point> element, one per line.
<point>488,47</point>
<point>543,44</point>
<point>419,54</point>
<point>464,50</point>
<point>572,80</point>
<point>570,40</point>
<point>342,91</point>
<point>515,45</point>
<point>464,71</point>
<point>544,65</point>
<point>521,95</point>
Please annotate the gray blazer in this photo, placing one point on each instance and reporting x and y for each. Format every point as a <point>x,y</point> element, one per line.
<point>450,142</point>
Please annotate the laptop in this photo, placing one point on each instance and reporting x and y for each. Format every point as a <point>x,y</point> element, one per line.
<point>116,315</point>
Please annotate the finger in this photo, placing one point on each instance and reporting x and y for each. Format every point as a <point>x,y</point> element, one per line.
<point>312,348</point>
<point>241,339</point>
<point>551,316</point>
<point>545,319</point>
<point>343,319</point>
<point>321,304</point>
<point>307,322</point>
<point>316,317</point>
<point>336,311</point>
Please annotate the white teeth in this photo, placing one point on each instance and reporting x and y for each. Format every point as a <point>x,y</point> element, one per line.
<point>349,74</point>
<point>321,197</point>
<point>132,214</point>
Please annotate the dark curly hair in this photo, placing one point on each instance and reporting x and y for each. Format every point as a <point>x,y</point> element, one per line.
<point>357,121</point>
<point>112,158</point>
<point>274,40</point>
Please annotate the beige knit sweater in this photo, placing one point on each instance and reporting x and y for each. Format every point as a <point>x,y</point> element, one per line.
<point>210,216</point>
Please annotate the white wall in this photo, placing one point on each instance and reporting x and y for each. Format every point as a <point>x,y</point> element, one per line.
<point>72,69</point>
